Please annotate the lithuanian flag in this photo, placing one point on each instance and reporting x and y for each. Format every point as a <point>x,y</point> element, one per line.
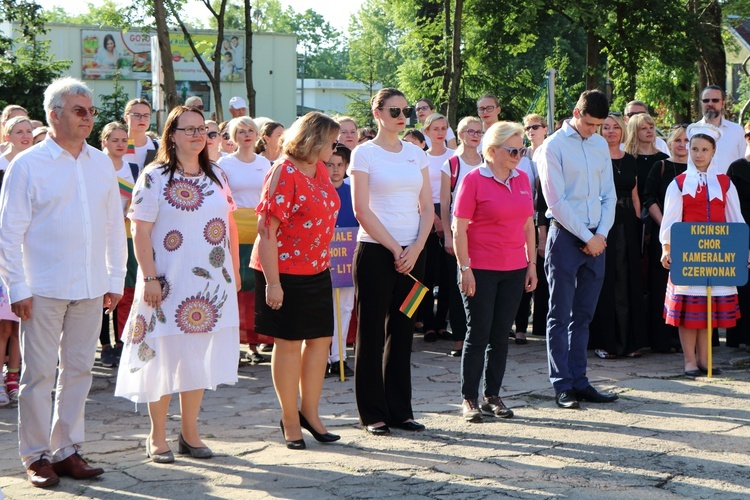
<point>126,188</point>
<point>414,298</point>
<point>131,147</point>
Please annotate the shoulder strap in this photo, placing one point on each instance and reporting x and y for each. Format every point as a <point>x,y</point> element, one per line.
<point>680,179</point>
<point>455,166</point>
<point>134,170</point>
<point>663,165</point>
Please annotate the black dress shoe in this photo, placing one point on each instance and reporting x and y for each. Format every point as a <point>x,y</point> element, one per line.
<point>593,396</point>
<point>321,438</point>
<point>566,399</point>
<point>409,426</point>
<point>704,371</point>
<point>382,430</point>
<point>693,373</point>
<point>297,444</point>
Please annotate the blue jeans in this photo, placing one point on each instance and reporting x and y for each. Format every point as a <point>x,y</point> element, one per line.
<point>490,314</point>
<point>575,280</point>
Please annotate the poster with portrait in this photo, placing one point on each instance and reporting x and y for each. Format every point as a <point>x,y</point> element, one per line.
<point>107,53</point>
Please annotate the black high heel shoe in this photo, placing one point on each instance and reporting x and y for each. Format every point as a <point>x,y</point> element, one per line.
<point>321,438</point>
<point>298,444</point>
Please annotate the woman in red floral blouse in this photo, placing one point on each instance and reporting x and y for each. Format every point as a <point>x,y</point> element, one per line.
<point>293,295</point>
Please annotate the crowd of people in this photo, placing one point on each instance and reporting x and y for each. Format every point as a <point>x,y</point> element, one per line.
<point>212,235</point>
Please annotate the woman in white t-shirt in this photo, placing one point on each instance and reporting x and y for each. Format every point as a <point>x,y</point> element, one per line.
<point>393,202</point>
<point>453,172</point>
<point>246,172</point>
<point>18,136</point>
<point>425,108</point>
<point>141,149</point>
<point>436,271</point>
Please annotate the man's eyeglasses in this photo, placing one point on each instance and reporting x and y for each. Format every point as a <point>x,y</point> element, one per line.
<point>486,109</point>
<point>396,111</point>
<point>141,116</point>
<point>82,112</point>
<point>714,100</point>
<point>193,131</point>
<point>536,126</point>
<point>514,152</point>
<point>213,135</point>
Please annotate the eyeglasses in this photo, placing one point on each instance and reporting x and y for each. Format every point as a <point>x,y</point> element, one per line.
<point>199,106</point>
<point>633,113</point>
<point>395,111</point>
<point>213,135</point>
<point>193,131</point>
<point>679,125</point>
<point>141,116</point>
<point>514,152</point>
<point>486,109</point>
<point>714,100</point>
<point>225,136</point>
<point>614,113</point>
<point>475,133</point>
<point>82,112</point>
<point>536,126</point>
<point>419,109</point>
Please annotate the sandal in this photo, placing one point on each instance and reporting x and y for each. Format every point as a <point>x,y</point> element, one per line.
<point>634,354</point>
<point>604,354</point>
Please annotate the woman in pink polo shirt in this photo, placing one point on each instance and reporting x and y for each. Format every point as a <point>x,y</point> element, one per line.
<point>494,241</point>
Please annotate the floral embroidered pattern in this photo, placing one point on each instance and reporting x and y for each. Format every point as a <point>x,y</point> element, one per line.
<point>215,231</point>
<point>226,274</point>
<point>166,288</point>
<point>201,273</point>
<point>145,353</point>
<point>199,313</point>
<point>173,240</point>
<point>184,194</point>
<point>217,256</point>
<point>138,331</point>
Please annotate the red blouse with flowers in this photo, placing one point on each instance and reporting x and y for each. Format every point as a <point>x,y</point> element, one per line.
<point>307,208</point>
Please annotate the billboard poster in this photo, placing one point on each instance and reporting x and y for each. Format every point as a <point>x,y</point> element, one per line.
<point>105,53</point>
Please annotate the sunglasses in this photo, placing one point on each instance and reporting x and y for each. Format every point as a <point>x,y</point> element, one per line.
<point>747,135</point>
<point>335,145</point>
<point>199,106</point>
<point>82,112</point>
<point>225,136</point>
<point>714,100</point>
<point>396,111</point>
<point>536,126</point>
<point>633,113</point>
<point>679,125</point>
<point>514,152</point>
<point>213,135</point>
<point>614,113</point>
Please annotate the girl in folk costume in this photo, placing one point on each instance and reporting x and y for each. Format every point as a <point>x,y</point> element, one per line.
<point>700,194</point>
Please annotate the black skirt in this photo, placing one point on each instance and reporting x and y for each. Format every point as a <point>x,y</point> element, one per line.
<point>306,312</point>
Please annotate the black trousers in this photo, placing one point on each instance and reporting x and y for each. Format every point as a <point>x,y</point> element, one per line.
<point>382,371</point>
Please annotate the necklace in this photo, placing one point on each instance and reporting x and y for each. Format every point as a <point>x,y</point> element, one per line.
<point>617,163</point>
<point>182,172</point>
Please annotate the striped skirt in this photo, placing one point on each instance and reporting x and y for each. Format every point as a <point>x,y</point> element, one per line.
<point>690,311</point>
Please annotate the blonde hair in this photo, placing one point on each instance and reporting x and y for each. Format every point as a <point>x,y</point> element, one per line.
<point>464,123</point>
<point>674,134</point>
<point>111,127</point>
<point>635,122</point>
<point>432,119</point>
<point>621,123</point>
<point>10,124</point>
<point>499,133</point>
<point>535,118</point>
<point>342,119</point>
<point>309,135</point>
<point>235,123</point>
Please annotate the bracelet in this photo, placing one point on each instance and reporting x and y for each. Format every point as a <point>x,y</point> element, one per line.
<point>271,286</point>
<point>150,278</point>
<point>532,262</point>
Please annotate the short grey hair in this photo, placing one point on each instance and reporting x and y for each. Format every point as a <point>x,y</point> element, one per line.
<point>60,89</point>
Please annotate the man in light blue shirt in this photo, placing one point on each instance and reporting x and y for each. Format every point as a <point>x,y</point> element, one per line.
<point>575,170</point>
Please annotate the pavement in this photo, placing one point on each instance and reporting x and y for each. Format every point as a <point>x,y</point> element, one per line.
<point>668,436</point>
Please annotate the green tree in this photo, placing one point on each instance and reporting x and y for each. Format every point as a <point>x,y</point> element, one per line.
<point>106,13</point>
<point>110,110</point>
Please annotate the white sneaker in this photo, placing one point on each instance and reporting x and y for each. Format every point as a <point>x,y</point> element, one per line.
<point>4,399</point>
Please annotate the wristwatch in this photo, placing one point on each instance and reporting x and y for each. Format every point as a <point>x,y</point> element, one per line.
<point>464,268</point>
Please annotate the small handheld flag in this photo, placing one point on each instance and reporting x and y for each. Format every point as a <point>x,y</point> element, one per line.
<point>414,298</point>
<point>126,188</point>
<point>131,147</point>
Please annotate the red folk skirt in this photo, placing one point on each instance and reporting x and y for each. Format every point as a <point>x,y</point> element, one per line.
<point>690,311</point>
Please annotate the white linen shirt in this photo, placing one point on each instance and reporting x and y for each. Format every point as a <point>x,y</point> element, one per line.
<point>62,233</point>
<point>730,146</point>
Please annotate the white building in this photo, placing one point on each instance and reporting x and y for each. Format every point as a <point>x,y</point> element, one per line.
<point>274,65</point>
<point>330,96</point>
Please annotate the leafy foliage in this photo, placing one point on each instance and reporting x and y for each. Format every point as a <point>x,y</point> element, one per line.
<point>111,109</point>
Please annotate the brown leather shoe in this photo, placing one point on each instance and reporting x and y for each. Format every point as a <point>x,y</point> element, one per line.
<point>76,467</point>
<point>41,474</point>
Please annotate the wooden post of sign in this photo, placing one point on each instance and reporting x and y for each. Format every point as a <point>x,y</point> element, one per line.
<point>342,350</point>
<point>710,328</point>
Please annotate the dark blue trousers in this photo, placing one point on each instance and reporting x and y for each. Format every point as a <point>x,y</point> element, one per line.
<point>575,280</point>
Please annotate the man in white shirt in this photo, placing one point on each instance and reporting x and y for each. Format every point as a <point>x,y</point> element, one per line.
<point>62,257</point>
<point>731,144</point>
<point>636,108</point>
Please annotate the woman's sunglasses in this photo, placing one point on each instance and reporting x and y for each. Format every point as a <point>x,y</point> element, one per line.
<point>514,152</point>
<point>213,135</point>
<point>395,111</point>
<point>536,126</point>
